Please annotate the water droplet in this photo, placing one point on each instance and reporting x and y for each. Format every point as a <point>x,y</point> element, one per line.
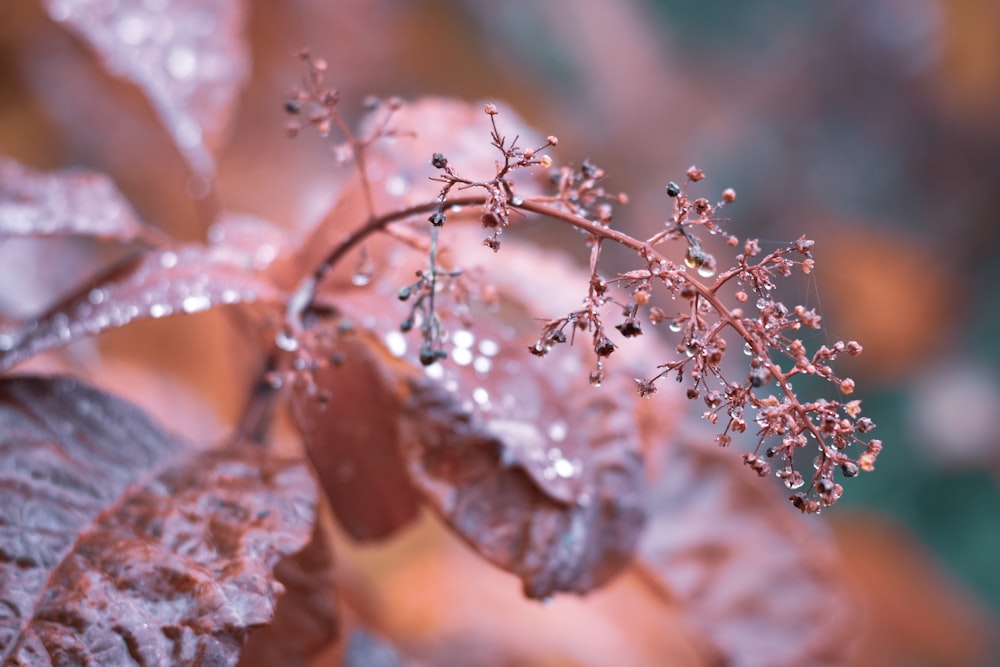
<point>264,255</point>
<point>507,456</point>
<point>97,296</point>
<point>285,342</point>
<point>344,153</point>
<point>489,347</point>
<point>396,342</point>
<point>7,341</point>
<point>188,132</point>
<point>230,296</point>
<point>481,396</point>
<point>516,201</point>
<point>434,371</point>
<point>131,29</point>
<point>747,350</point>
<point>557,431</point>
<point>462,356</point>
<point>361,278</point>
<point>482,365</point>
<point>196,303</point>
<point>168,260</point>
<point>463,338</point>
<point>395,185</point>
<point>564,468</point>
<point>674,326</point>
<point>158,310</point>
<point>761,303</point>
<point>707,270</point>
<point>182,62</point>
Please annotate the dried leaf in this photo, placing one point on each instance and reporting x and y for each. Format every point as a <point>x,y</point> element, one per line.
<point>305,620</point>
<point>762,583</point>
<point>121,544</point>
<point>187,279</point>
<point>189,58</point>
<point>71,202</point>
<point>352,438</point>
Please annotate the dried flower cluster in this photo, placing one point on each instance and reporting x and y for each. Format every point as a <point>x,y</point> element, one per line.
<point>759,398</point>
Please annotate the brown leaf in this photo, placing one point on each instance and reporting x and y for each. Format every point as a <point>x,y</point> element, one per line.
<point>539,471</point>
<point>305,619</point>
<point>761,582</point>
<point>188,57</point>
<point>561,513</point>
<point>71,202</point>
<point>353,437</point>
<point>121,544</point>
<point>187,279</point>
<point>435,599</point>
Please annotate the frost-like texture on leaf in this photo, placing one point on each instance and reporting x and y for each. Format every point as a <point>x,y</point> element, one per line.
<point>188,279</point>
<point>352,438</point>
<point>305,620</point>
<point>68,202</point>
<point>188,56</point>
<point>120,545</point>
<point>758,580</point>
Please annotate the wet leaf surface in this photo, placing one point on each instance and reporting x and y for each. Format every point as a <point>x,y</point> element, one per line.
<point>763,584</point>
<point>123,545</point>
<point>189,58</point>
<point>463,466</point>
<point>72,202</point>
<point>538,470</point>
<point>352,437</point>
<point>305,619</point>
<point>187,279</point>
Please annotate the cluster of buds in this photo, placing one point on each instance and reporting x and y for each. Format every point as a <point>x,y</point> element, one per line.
<point>759,398</point>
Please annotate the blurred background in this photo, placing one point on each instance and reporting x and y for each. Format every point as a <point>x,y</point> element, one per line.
<point>871,126</point>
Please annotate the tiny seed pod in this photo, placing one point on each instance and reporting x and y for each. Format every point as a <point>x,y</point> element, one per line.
<point>629,328</point>
<point>428,356</point>
<point>604,347</point>
<point>673,189</point>
<point>439,161</point>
